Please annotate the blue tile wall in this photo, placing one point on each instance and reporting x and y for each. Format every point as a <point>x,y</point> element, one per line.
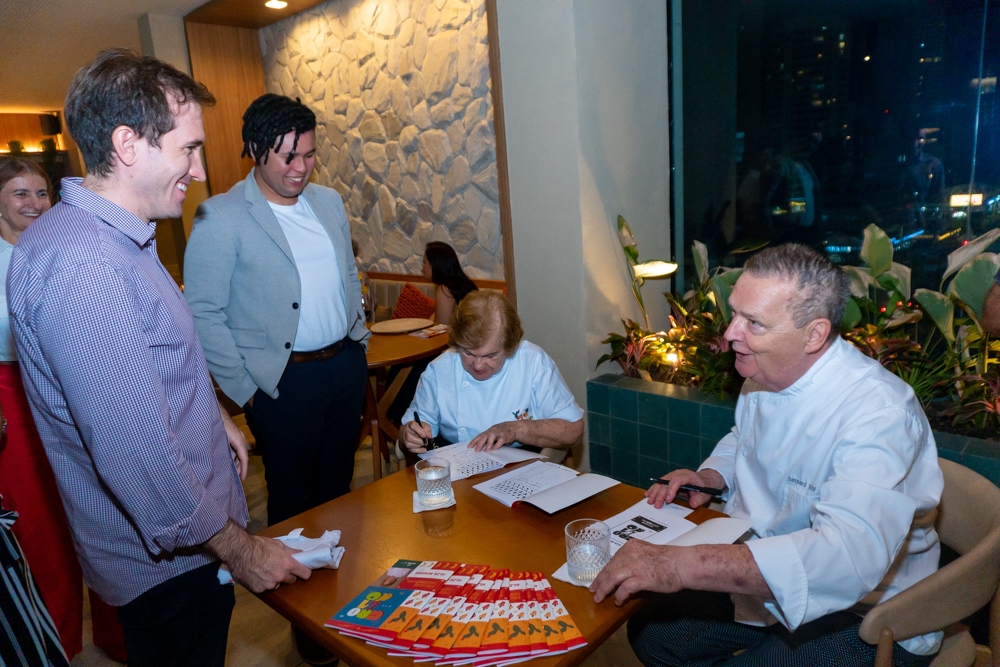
<point>640,429</point>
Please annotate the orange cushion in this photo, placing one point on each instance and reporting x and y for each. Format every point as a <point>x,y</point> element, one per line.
<point>413,303</point>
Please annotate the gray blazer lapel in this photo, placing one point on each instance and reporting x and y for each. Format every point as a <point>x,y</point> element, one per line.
<point>261,211</point>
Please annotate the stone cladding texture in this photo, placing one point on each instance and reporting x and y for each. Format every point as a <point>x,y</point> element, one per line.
<point>401,91</point>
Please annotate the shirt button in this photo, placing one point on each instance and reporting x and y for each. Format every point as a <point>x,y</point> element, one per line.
<point>461,430</point>
<point>288,346</point>
<point>465,384</point>
<point>295,305</point>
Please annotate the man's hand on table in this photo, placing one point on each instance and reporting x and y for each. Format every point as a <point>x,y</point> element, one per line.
<point>259,563</point>
<point>638,566</point>
<point>660,494</point>
<point>416,436</point>
<point>495,437</point>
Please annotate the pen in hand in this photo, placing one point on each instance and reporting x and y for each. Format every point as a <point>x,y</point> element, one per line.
<point>416,415</point>
<point>691,487</point>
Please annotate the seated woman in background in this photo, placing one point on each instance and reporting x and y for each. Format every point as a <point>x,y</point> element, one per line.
<point>491,388</point>
<point>441,266</point>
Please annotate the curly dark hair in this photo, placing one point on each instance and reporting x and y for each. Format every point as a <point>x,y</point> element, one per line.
<point>123,88</point>
<point>268,119</point>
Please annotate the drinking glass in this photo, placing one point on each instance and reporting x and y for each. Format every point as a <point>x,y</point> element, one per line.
<point>434,482</point>
<point>588,549</point>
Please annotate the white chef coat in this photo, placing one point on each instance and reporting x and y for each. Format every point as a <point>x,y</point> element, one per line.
<point>832,472</point>
<point>460,407</point>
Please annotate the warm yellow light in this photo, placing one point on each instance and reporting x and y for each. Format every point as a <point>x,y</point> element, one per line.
<point>672,357</point>
<point>654,269</point>
<point>276,4</point>
<point>867,58</point>
<point>963,200</point>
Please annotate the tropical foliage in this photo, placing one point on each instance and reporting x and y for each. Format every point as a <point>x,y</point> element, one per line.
<point>933,340</point>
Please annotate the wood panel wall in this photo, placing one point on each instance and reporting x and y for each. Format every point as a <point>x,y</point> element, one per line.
<point>228,61</point>
<point>500,136</point>
<point>23,127</point>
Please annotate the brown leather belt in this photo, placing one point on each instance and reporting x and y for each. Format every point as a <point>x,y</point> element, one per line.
<point>328,352</point>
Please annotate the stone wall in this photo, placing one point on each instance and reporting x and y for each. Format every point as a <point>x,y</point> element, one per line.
<point>401,91</point>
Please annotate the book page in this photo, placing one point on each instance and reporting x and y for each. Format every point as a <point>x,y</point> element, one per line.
<point>467,462</point>
<point>523,482</point>
<point>570,492</point>
<point>714,531</point>
<point>644,522</point>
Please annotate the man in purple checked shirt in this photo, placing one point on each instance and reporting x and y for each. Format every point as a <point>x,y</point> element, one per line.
<point>115,374</point>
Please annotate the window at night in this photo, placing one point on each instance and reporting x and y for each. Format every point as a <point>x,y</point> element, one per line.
<point>832,115</point>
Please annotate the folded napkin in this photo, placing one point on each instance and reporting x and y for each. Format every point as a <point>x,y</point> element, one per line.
<point>314,553</point>
<point>420,507</point>
<point>562,574</point>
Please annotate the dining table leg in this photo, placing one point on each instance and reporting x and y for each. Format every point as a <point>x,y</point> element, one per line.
<point>370,427</point>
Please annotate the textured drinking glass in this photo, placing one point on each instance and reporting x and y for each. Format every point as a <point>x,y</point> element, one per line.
<point>434,482</point>
<point>588,549</point>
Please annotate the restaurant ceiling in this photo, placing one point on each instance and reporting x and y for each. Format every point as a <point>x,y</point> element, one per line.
<point>43,43</point>
<point>246,13</point>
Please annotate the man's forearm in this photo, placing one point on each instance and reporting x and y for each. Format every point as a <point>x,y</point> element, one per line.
<point>725,568</point>
<point>556,433</point>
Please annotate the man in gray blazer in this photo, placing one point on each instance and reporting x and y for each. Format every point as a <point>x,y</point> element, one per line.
<point>270,278</point>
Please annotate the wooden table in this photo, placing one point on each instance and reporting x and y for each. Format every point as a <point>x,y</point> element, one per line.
<point>379,527</point>
<point>386,350</point>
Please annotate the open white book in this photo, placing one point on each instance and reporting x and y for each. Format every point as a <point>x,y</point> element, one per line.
<point>548,486</point>
<point>467,462</point>
<point>666,525</point>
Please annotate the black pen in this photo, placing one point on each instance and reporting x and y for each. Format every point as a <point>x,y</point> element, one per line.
<point>691,487</point>
<point>416,415</point>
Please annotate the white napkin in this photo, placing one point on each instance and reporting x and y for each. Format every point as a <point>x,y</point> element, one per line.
<point>420,507</point>
<point>315,553</point>
<point>562,574</point>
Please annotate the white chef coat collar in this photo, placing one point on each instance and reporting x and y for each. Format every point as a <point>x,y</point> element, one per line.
<point>826,363</point>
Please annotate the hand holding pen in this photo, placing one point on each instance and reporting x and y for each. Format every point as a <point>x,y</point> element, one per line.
<point>416,436</point>
<point>701,486</point>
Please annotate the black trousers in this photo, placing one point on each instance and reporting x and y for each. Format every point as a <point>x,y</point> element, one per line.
<point>183,621</point>
<point>697,629</point>
<point>309,434</point>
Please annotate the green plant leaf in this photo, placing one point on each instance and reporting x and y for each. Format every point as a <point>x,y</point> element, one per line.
<point>961,256</point>
<point>632,252</point>
<point>941,310</point>
<point>852,316</point>
<point>730,276</point>
<point>721,290</point>
<point>861,280</point>
<point>625,233</point>
<point>901,278</point>
<point>700,255</point>
<point>876,251</point>
<point>973,281</point>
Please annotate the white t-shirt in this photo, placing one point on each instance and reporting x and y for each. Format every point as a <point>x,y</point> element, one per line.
<point>460,407</point>
<point>832,472</point>
<point>323,302</point>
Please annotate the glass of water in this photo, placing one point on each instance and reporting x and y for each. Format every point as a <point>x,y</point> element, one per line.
<point>588,549</point>
<point>434,482</point>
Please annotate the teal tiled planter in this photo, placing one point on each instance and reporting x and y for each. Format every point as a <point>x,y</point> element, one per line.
<point>641,429</point>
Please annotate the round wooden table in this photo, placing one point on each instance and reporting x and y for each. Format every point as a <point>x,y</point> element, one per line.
<point>385,350</point>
